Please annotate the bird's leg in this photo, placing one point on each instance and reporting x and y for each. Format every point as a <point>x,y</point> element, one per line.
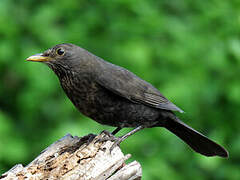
<point>118,140</point>
<point>113,133</point>
<point>122,138</point>
<point>116,130</point>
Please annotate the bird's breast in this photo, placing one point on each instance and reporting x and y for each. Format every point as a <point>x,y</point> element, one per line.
<point>82,91</point>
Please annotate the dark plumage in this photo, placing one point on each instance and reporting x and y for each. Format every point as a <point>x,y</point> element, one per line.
<point>114,96</point>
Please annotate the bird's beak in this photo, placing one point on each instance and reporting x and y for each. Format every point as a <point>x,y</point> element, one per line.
<point>39,58</point>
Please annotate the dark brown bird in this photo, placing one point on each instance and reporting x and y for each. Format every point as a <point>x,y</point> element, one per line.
<point>114,96</point>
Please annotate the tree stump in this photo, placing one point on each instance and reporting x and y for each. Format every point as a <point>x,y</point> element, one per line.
<point>83,158</point>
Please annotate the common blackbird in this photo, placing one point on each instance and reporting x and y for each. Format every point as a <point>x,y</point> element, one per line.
<point>114,96</point>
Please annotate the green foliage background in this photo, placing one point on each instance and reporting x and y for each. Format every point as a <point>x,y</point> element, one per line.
<point>190,50</point>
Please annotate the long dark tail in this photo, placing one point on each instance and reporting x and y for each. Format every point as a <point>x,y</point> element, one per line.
<point>194,139</point>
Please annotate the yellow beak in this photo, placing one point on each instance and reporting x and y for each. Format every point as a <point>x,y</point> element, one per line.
<point>38,58</point>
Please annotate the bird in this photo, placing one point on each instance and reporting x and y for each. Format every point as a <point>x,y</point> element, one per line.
<point>112,95</point>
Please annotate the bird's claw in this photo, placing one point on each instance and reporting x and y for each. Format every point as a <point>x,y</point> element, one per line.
<point>109,137</point>
<point>116,143</point>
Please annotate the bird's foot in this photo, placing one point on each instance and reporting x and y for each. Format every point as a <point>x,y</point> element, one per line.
<point>109,137</point>
<point>117,140</point>
<point>116,143</point>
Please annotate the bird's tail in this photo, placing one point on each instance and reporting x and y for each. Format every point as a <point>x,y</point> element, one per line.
<point>194,139</point>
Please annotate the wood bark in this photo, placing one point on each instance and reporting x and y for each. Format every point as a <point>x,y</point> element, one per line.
<point>84,158</point>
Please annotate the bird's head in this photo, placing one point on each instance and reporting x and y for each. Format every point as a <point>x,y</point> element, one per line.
<point>62,57</point>
<point>58,53</point>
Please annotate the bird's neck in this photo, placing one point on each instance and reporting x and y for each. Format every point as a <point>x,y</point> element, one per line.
<point>61,71</point>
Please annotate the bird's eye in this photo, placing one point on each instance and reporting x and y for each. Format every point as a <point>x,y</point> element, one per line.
<point>60,51</point>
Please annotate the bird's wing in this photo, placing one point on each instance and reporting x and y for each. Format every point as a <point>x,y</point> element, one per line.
<point>128,85</point>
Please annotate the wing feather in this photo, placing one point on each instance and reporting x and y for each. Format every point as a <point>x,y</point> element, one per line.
<point>128,85</point>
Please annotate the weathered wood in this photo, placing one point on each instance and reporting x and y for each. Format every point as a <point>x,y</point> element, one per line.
<point>83,158</point>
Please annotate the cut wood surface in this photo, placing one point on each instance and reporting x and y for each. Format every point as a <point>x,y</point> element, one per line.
<point>83,158</point>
